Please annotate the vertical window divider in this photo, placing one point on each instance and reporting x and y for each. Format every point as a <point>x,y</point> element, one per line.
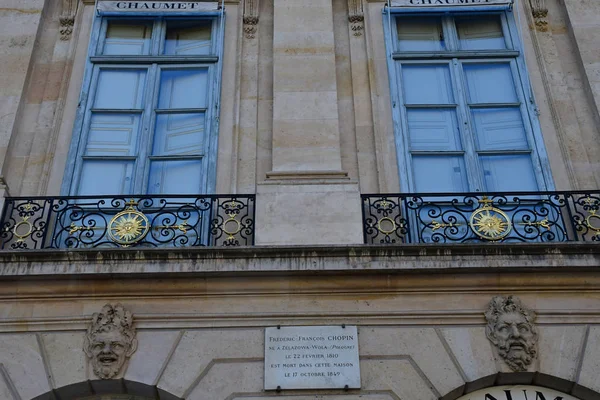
<point>506,31</point>
<point>404,140</point>
<point>146,137</point>
<point>157,36</point>
<point>212,123</point>
<point>397,106</point>
<point>467,136</point>
<point>450,37</point>
<point>77,141</point>
<point>102,38</point>
<point>86,123</point>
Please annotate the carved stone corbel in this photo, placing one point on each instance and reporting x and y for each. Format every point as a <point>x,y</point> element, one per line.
<point>356,17</point>
<point>540,14</point>
<point>110,340</point>
<point>250,18</point>
<point>67,18</point>
<point>511,329</point>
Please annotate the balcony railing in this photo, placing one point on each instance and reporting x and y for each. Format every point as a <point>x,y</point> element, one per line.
<point>475,217</point>
<point>124,221</point>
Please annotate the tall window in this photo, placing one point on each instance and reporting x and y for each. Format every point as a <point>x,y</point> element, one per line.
<point>149,107</point>
<point>463,112</point>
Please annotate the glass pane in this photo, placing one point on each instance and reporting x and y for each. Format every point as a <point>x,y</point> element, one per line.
<point>499,129</point>
<point>119,88</point>
<point>188,37</point>
<point>420,34</point>
<point>113,135</point>
<point>105,177</point>
<point>183,88</point>
<point>427,84</point>
<point>480,33</point>
<point>439,173</point>
<point>128,38</point>
<point>178,134</point>
<point>508,173</point>
<point>490,83</point>
<point>175,177</point>
<point>433,130</point>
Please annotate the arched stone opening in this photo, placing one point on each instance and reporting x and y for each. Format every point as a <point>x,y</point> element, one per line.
<point>107,389</point>
<point>527,379</point>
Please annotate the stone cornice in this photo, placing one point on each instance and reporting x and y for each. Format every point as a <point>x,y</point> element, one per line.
<point>248,261</point>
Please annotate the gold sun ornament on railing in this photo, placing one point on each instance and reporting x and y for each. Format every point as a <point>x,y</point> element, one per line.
<point>128,226</point>
<point>488,222</point>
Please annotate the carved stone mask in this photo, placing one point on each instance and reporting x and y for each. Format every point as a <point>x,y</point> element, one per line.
<point>110,340</point>
<point>510,328</point>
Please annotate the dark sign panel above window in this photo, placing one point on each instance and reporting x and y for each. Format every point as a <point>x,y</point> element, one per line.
<point>446,3</point>
<point>157,6</point>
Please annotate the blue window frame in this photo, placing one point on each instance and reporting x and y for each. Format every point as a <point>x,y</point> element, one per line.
<point>463,110</point>
<point>148,111</point>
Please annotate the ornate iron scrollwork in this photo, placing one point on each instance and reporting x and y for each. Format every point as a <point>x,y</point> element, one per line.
<point>148,221</point>
<point>475,217</point>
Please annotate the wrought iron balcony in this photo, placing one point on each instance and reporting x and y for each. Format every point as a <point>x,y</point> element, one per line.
<point>124,221</point>
<point>475,217</point>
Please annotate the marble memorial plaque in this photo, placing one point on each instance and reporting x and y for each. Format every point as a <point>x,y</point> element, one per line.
<point>311,357</point>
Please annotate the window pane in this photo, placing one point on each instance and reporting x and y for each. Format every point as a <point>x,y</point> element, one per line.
<point>128,38</point>
<point>178,134</point>
<point>183,88</point>
<point>105,177</point>
<point>499,129</point>
<point>175,177</point>
<point>433,130</point>
<point>480,33</point>
<point>490,83</point>
<point>420,34</point>
<point>439,173</point>
<point>427,84</point>
<point>508,173</point>
<point>113,135</point>
<point>120,88</point>
<point>188,37</point>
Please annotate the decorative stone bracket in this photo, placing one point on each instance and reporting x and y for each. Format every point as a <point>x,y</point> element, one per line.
<point>67,18</point>
<point>511,329</point>
<point>356,17</point>
<point>250,18</point>
<point>540,14</point>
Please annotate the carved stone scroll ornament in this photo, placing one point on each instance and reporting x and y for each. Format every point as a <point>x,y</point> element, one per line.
<point>250,18</point>
<point>510,327</point>
<point>356,17</point>
<point>110,340</point>
<point>540,14</point>
<point>67,18</point>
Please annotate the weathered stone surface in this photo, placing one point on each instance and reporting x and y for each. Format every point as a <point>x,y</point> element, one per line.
<point>590,368</point>
<point>471,350</point>
<point>20,355</point>
<point>66,359</point>
<point>560,350</point>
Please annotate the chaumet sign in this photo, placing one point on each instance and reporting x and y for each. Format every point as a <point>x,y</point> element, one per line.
<point>444,3</point>
<point>517,393</point>
<point>156,6</point>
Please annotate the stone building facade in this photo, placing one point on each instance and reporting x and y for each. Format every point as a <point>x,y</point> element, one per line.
<point>308,106</point>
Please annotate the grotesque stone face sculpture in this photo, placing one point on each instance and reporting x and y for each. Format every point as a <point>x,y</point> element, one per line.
<point>510,328</point>
<point>110,340</point>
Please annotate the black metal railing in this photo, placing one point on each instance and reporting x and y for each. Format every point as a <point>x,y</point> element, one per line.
<point>124,221</point>
<point>477,217</point>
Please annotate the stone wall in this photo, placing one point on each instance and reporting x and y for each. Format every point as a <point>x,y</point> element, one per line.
<point>201,332</point>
